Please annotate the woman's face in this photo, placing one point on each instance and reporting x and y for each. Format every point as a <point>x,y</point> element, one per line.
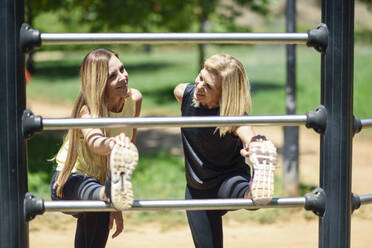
<point>208,89</point>
<point>117,85</point>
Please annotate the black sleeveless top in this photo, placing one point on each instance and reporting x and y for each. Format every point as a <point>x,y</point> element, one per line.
<point>209,158</point>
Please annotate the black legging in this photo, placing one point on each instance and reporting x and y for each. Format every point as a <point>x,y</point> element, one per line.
<point>206,225</point>
<point>92,228</point>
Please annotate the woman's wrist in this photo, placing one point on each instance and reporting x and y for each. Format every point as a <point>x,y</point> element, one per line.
<point>111,143</point>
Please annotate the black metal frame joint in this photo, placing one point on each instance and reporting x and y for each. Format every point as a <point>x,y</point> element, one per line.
<point>357,125</point>
<point>33,206</point>
<point>318,38</point>
<point>29,38</point>
<point>316,201</point>
<point>317,119</point>
<point>31,123</point>
<point>355,202</point>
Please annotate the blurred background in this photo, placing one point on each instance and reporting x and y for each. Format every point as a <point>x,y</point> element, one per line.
<point>155,70</point>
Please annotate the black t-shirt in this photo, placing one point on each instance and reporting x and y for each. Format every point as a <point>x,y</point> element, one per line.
<point>209,158</point>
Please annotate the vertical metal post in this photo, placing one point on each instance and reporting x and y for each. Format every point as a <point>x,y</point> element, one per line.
<point>13,169</point>
<point>336,142</point>
<point>290,148</point>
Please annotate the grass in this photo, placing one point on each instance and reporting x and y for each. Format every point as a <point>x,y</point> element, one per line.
<point>156,74</point>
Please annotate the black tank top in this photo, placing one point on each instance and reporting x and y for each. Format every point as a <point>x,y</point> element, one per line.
<point>209,158</point>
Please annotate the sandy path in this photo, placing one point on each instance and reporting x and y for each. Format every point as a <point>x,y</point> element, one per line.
<point>296,232</point>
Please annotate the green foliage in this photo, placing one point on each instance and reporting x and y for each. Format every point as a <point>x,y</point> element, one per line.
<point>140,16</point>
<point>40,149</point>
<point>363,36</point>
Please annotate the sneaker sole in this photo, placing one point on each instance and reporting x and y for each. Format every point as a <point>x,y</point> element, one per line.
<point>263,158</point>
<point>123,161</point>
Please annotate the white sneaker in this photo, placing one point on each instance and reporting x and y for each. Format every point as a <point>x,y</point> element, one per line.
<point>123,161</point>
<point>263,157</point>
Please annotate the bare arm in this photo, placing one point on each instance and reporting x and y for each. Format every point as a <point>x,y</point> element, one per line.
<point>245,133</point>
<point>138,100</point>
<point>94,137</point>
<point>178,92</point>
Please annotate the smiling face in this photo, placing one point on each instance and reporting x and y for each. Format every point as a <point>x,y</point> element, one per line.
<point>117,85</point>
<point>208,89</point>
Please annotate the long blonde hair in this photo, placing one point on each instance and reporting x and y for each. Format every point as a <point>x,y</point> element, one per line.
<point>236,98</point>
<point>94,73</point>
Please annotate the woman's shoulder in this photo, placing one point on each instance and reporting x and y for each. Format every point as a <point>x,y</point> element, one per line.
<point>184,88</point>
<point>136,95</point>
<point>189,88</point>
<point>181,90</point>
<point>84,112</point>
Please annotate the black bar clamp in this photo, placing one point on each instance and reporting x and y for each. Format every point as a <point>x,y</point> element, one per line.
<point>357,125</point>
<point>29,38</point>
<point>31,123</point>
<point>355,202</point>
<point>317,119</point>
<point>33,206</point>
<point>316,201</point>
<point>318,38</point>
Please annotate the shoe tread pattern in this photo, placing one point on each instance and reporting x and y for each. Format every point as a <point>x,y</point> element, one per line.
<point>123,161</point>
<point>263,158</point>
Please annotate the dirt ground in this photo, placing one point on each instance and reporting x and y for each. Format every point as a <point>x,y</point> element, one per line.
<point>298,230</point>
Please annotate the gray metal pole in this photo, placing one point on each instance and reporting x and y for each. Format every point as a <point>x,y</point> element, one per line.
<point>13,169</point>
<point>366,123</point>
<point>147,205</point>
<point>336,142</point>
<point>173,38</point>
<point>66,123</point>
<point>366,199</point>
<point>290,147</point>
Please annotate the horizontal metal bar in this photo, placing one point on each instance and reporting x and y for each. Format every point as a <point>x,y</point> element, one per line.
<point>205,121</point>
<point>147,205</point>
<point>171,38</point>
<point>366,199</point>
<point>367,123</point>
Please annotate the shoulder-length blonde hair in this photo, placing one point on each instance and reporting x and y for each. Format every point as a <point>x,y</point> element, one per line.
<point>94,73</point>
<point>236,98</point>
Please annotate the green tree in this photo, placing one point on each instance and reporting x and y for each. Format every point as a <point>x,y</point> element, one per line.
<point>149,15</point>
<point>205,10</point>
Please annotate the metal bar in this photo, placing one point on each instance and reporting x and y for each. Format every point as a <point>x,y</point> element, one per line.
<point>336,141</point>
<point>171,38</point>
<point>290,145</point>
<point>366,199</point>
<point>367,123</point>
<point>65,123</point>
<point>157,205</point>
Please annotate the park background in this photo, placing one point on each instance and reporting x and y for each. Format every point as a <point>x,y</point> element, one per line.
<point>155,70</point>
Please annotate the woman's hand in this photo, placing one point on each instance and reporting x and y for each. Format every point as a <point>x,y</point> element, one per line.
<point>116,217</point>
<point>120,139</point>
<point>261,147</point>
<point>258,138</point>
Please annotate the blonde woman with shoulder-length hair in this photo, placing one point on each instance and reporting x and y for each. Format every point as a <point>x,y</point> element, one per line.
<point>215,157</point>
<point>235,98</point>
<point>83,161</point>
